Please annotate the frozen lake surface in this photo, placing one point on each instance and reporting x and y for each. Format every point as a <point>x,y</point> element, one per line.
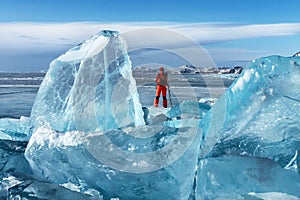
<point>18,90</point>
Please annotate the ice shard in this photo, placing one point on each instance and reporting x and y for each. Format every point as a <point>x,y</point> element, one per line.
<point>259,114</point>
<point>89,88</point>
<point>26,187</point>
<point>12,157</point>
<point>235,177</point>
<point>15,129</point>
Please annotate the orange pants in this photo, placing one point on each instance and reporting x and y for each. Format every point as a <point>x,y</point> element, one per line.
<point>161,89</point>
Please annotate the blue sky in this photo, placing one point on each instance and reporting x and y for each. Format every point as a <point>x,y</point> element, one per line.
<point>232,32</point>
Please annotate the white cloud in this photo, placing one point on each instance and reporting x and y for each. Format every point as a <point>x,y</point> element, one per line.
<point>43,35</point>
<point>183,39</point>
<point>223,32</point>
<point>57,35</point>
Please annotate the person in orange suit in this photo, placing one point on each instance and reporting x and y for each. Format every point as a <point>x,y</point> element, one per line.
<point>161,87</point>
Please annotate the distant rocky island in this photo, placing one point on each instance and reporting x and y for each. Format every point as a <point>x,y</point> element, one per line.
<point>189,69</point>
<point>296,54</point>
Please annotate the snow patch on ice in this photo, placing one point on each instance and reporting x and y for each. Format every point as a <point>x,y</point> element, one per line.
<point>47,136</point>
<point>240,84</point>
<point>273,195</point>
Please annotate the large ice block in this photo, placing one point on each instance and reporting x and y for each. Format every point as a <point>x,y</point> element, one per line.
<point>146,162</point>
<point>89,88</point>
<point>259,114</point>
<point>85,132</point>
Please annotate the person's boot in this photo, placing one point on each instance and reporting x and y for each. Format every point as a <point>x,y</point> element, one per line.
<point>156,101</point>
<point>165,103</point>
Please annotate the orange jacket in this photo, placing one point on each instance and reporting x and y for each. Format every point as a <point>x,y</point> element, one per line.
<point>162,79</point>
